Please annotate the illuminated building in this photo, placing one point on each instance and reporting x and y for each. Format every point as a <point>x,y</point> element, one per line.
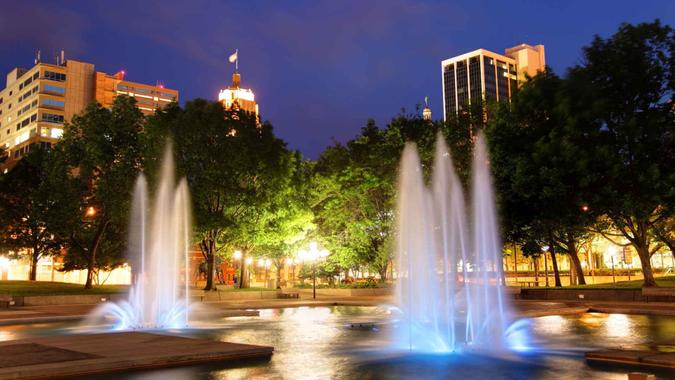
<point>236,98</point>
<point>426,112</point>
<point>484,76</point>
<point>36,102</point>
<point>148,97</point>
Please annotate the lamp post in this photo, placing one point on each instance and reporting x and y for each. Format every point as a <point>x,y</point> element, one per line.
<point>268,263</point>
<point>312,256</point>
<point>545,250</point>
<point>248,262</point>
<point>291,264</point>
<point>237,258</point>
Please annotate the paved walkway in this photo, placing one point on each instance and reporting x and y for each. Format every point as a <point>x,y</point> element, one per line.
<point>523,308</point>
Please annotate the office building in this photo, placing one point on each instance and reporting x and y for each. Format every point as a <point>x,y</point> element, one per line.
<point>235,98</point>
<point>36,102</point>
<point>483,76</point>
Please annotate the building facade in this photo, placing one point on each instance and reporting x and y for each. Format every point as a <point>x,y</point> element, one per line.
<point>235,98</point>
<point>484,76</point>
<point>36,102</point>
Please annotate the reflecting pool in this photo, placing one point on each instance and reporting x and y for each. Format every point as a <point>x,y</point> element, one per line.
<point>348,343</point>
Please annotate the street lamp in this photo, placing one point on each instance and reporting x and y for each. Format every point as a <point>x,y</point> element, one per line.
<point>312,256</point>
<point>545,249</point>
<point>236,255</point>
<point>91,212</point>
<point>291,264</point>
<point>248,262</point>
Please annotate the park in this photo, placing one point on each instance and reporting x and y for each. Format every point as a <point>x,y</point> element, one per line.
<point>528,238</point>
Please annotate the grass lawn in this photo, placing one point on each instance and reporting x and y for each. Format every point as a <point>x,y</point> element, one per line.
<point>43,288</point>
<point>667,281</point>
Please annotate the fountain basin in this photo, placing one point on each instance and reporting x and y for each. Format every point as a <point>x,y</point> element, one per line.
<point>89,354</point>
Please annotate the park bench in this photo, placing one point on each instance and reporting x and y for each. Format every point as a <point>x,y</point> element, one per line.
<point>288,295</point>
<point>659,294</point>
<point>6,301</point>
<point>528,284</point>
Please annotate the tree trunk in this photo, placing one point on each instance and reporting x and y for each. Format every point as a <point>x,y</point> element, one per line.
<point>554,262</point>
<point>643,252</point>
<point>383,273</point>
<point>33,266</point>
<point>279,266</point>
<point>574,256</point>
<point>91,257</point>
<point>243,279</point>
<point>208,249</point>
<point>535,261</point>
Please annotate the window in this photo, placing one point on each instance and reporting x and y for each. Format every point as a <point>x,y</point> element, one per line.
<point>36,75</point>
<point>33,117</point>
<point>52,118</point>
<point>21,86</point>
<point>35,89</point>
<point>53,103</point>
<point>54,89</point>
<point>59,77</point>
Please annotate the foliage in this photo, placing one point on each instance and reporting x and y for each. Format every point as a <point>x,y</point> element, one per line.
<point>28,211</point>
<point>235,169</point>
<point>622,101</point>
<point>94,167</point>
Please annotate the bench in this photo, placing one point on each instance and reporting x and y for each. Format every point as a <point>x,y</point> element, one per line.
<point>288,295</point>
<point>528,284</point>
<point>659,294</point>
<point>6,301</point>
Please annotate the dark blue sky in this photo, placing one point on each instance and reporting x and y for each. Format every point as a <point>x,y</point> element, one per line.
<point>319,69</point>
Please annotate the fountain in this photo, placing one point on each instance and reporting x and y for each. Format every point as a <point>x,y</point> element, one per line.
<point>449,287</point>
<point>159,253</point>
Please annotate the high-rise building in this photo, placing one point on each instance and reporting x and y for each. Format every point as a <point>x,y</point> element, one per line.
<point>484,76</point>
<point>36,102</point>
<point>235,98</point>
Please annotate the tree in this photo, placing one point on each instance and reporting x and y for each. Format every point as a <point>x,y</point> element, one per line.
<point>621,100</point>
<point>95,165</point>
<point>233,167</point>
<point>286,220</point>
<point>538,171</point>
<point>28,210</point>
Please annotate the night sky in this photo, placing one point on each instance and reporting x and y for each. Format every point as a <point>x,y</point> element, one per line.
<point>319,69</point>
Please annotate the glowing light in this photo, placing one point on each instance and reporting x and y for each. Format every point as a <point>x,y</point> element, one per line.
<point>249,261</point>
<point>268,263</point>
<point>289,261</point>
<point>584,208</point>
<point>261,262</point>
<point>4,263</point>
<point>237,255</point>
<point>56,133</point>
<point>91,211</point>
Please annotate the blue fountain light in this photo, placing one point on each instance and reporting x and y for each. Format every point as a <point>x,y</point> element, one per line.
<point>449,285</point>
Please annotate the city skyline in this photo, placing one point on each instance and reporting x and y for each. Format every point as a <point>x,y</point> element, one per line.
<point>343,64</point>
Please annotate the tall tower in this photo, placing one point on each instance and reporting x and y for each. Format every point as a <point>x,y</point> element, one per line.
<point>236,98</point>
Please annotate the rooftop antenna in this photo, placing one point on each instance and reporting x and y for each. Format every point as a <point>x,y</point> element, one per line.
<point>37,56</point>
<point>63,57</point>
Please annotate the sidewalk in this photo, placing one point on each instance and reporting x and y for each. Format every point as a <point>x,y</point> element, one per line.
<point>523,308</point>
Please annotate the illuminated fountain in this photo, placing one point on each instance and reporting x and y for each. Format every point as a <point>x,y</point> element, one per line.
<point>158,250</point>
<point>449,286</point>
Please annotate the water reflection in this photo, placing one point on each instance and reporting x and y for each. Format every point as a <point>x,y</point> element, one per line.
<point>318,343</point>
